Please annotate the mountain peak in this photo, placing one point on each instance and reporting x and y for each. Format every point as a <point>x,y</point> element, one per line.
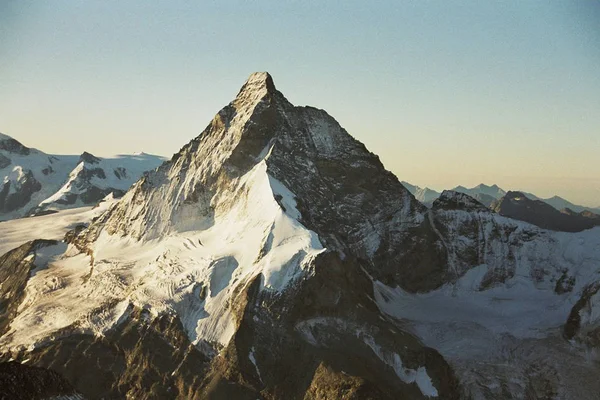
<point>88,158</point>
<point>258,82</point>
<point>258,136</point>
<point>514,194</point>
<point>11,145</point>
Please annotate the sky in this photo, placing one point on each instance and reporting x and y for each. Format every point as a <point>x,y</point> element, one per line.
<point>446,92</point>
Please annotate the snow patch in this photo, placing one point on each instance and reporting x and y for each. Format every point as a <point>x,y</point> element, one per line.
<point>193,274</point>
<point>253,360</point>
<point>407,375</point>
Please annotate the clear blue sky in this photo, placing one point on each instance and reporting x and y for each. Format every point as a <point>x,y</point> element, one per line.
<point>446,92</point>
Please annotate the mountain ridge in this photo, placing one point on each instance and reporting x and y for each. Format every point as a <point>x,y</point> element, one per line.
<point>482,193</point>
<point>274,257</point>
<point>33,182</point>
<point>518,206</point>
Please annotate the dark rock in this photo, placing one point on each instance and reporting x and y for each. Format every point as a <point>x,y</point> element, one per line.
<point>564,284</point>
<point>94,194</point>
<point>516,205</point>
<point>450,200</point>
<point>71,235</point>
<point>142,358</point>
<point>35,213</point>
<point>88,158</point>
<point>88,173</point>
<point>120,172</point>
<point>15,266</point>
<point>23,382</point>
<point>67,199</point>
<point>13,146</point>
<point>13,198</point>
<point>573,324</point>
<point>4,161</point>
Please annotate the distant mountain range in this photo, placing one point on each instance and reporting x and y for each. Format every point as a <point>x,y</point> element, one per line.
<point>518,206</point>
<point>488,194</point>
<point>33,182</point>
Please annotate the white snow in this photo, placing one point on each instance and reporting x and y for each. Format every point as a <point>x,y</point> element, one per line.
<point>250,235</point>
<point>53,226</point>
<point>54,171</point>
<point>120,172</point>
<point>36,162</point>
<point>253,360</point>
<point>407,375</point>
<point>508,328</point>
<point>522,307</point>
<point>311,332</point>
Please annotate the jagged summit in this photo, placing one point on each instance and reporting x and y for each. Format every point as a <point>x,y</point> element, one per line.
<point>302,147</point>
<point>258,81</point>
<point>88,158</point>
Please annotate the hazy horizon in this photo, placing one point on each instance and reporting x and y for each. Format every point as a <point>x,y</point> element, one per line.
<point>446,93</point>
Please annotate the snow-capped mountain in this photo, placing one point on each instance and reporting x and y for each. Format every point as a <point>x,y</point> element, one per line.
<point>34,182</point>
<point>274,257</point>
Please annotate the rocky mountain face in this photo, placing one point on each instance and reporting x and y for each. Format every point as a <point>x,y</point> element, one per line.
<point>516,205</point>
<point>21,382</point>
<point>33,182</point>
<point>274,257</point>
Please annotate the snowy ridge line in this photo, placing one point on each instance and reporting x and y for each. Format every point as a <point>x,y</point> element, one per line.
<point>34,182</point>
<point>192,274</point>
